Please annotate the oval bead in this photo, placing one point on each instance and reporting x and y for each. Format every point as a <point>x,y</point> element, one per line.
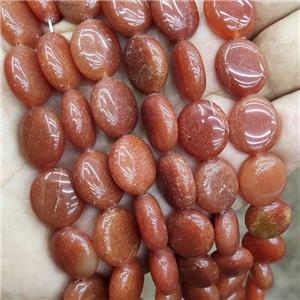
<point>114,107</point>
<point>199,271</point>
<point>216,184</point>
<point>262,179</point>
<point>146,64</point>
<point>79,10</point>
<point>128,17</point>
<point>77,120</point>
<point>262,275</point>
<point>268,221</point>
<point>45,10</point>
<point>24,76</point>
<point>241,67</point>
<point>227,235</point>
<point>116,236</point>
<point>254,125</point>
<point>265,250</point>
<point>160,122</point>
<point>164,271</point>
<point>18,24</point>
<point>93,182</point>
<point>190,233</point>
<point>56,62</point>
<point>176,295</point>
<point>176,19</point>
<point>240,261</point>
<point>177,180</point>
<point>195,293</point>
<point>238,295</point>
<point>127,281</point>
<point>54,200</point>
<point>132,165</point>
<point>41,137</point>
<point>203,129</point>
<point>93,288</point>
<point>73,251</point>
<point>95,49</point>
<point>188,69</point>
<point>151,222</point>
<point>230,19</point>
<point>227,285</point>
<point>253,292</point>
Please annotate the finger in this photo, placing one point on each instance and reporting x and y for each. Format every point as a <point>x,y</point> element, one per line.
<point>269,12</point>
<point>279,45</point>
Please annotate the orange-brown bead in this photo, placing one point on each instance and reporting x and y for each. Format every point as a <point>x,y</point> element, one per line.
<point>18,24</point>
<point>116,236</point>
<point>73,251</point>
<point>53,198</point>
<point>95,49</point>
<point>24,76</point>
<point>114,107</point>
<point>128,17</point>
<point>160,121</point>
<point>253,292</point>
<point>189,72</point>
<point>196,293</point>
<point>146,64</point>
<point>56,62</point>
<point>227,285</point>
<point>45,10</point>
<point>93,182</point>
<point>176,295</point>
<point>262,275</point>
<point>41,137</point>
<point>77,120</point>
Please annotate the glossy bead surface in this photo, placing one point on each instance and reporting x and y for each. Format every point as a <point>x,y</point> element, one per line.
<point>56,62</point>
<point>79,10</point>
<point>203,129</point>
<point>268,221</point>
<point>18,24</point>
<point>227,285</point>
<point>176,295</point>
<point>151,222</point>
<point>128,17</point>
<point>262,179</point>
<point>195,293</point>
<point>77,120</point>
<point>160,122</point>
<point>262,275</point>
<point>240,261</point>
<point>163,269</point>
<point>190,233</point>
<point>254,125</point>
<point>45,10</point>
<point>217,185</point>
<point>177,20</point>
<point>95,49</point>
<point>132,165</point>
<point>227,235</point>
<point>116,236</point>
<point>265,250</point>
<point>73,251</point>
<point>253,292</point>
<point>189,72</point>
<point>146,64</point>
<point>24,76</point>
<point>230,19</point>
<point>199,271</point>
<point>238,295</point>
<point>53,198</point>
<point>177,180</point>
<point>127,281</point>
<point>114,107</point>
<point>93,182</point>
<point>241,67</point>
<point>41,137</point>
<point>93,288</point>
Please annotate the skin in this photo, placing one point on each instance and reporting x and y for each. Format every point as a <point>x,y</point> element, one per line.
<point>49,284</point>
